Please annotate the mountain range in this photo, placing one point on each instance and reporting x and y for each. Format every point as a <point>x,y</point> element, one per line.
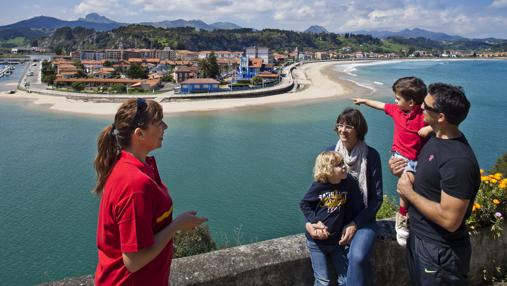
<point>198,24</point>
<point>412,33</point>
<point>24,33</point>
<point>36,27</point>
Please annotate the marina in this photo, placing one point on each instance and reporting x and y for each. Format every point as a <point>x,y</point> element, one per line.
<point>7,70</point>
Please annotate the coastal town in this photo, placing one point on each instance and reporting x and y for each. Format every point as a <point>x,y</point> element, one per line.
<point>141,71</point>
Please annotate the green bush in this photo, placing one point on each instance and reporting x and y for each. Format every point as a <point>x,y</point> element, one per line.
<point>193,242</point>
<point>118,88</point>
<point>77,86</point>
<point>256,80</point>
<point>388,208</point>
<point>500,165</point>
<point>168,78</point>
<point>490,205</point>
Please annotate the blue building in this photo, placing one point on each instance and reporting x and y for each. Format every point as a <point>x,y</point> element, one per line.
<point>199,85</point>
<point>248,68</point>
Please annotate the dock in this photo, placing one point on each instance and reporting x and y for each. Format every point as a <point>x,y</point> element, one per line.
<point>6,71</point>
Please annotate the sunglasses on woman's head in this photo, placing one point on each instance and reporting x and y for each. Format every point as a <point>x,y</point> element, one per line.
<point>140,108</point>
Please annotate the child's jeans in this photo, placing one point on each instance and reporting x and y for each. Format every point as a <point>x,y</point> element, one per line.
<point>319,255</point>
<point>411,164</point>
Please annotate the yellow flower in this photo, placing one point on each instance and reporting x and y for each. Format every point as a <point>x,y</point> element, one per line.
<point>493,181</point>
<point>497,176</point>
<point>482,171</point>
<point>496,202</point>
<point>484,178</point>
<point>476,206</point>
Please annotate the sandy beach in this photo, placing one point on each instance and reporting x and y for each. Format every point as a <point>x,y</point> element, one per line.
<point>318,81</point>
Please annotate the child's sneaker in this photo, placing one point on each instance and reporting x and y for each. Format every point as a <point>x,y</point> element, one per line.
<point>401,228</point>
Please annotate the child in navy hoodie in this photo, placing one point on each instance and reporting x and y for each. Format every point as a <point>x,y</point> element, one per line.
<point>324,210</point>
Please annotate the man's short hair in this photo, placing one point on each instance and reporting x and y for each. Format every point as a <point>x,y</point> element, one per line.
<point>451,101</point>
<point>355,118</point>
<point>410,88</point>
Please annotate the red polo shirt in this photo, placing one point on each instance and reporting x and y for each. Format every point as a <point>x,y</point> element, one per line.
<point>135,205</point>
<point>406,141</point>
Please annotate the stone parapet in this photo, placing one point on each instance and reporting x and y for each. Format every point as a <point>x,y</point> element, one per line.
<point>285,261</point>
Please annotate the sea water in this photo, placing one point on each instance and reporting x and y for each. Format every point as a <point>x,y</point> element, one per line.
<point>246,170</point>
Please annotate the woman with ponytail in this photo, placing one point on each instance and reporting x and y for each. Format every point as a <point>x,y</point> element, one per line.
<point>135,221</point>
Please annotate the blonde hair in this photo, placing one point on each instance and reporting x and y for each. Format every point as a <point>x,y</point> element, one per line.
<point>324,165</point>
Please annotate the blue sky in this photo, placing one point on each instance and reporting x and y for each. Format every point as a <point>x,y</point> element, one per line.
<point>468,18</point>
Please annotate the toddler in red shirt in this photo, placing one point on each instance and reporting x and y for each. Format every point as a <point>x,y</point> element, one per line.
<point>409,133</point>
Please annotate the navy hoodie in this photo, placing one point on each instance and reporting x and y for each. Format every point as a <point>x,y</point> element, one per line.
<point>325,202</point>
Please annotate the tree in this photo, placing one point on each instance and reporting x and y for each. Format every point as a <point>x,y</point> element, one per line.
<point>208,68</point>
<point>48,72</point>
<point>117,72</point>
<point>214,69</point>
<point>203,68</point>
<point>137,71</point>
<point>118,88</point>
<point>80,69</point>
<point>77,86</point>
<point>168,78</point>
<point>59,51</point>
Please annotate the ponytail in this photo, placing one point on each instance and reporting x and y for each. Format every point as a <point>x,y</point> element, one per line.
<point>109,151</point>
<point>117,136</point>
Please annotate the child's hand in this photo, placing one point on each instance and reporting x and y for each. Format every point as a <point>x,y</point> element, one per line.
<point>425,131</point>
<point>317,230</point>
<point>358,101</point>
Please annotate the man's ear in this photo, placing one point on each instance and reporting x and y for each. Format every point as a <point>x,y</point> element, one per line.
<point>441,117</point>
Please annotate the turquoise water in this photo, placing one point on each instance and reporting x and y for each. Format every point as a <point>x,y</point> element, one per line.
<point>245,170</point>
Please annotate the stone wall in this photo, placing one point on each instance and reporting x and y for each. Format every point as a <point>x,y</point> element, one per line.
<point>285,261</point>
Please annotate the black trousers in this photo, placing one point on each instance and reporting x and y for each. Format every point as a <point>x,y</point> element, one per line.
<point>433,264</point>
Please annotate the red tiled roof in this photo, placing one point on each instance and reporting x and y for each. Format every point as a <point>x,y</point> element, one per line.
<point>91,62</point>
<point>178,63</point>
<point>135,60</point>
<point>256,63</point>
<point>228,61</point>
<point>267,75</point>
<point>107,70</point>
<point>99,80</point>
<point>66,65</point>
<point>185,69</point>
<point>150,82</point>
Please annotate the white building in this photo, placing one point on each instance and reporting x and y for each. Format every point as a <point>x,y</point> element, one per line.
<point>259,52</point>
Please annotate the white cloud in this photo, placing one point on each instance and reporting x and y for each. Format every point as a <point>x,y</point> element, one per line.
<point>499,3</point>
<point>337,16</point>
<point>97,6</point>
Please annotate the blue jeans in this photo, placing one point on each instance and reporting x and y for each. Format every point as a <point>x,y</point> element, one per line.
<point>411,164</point>
<point>359,254</point>
<point>319,255</point>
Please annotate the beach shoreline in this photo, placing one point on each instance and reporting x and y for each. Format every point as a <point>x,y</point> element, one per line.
<point>320,81</point>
